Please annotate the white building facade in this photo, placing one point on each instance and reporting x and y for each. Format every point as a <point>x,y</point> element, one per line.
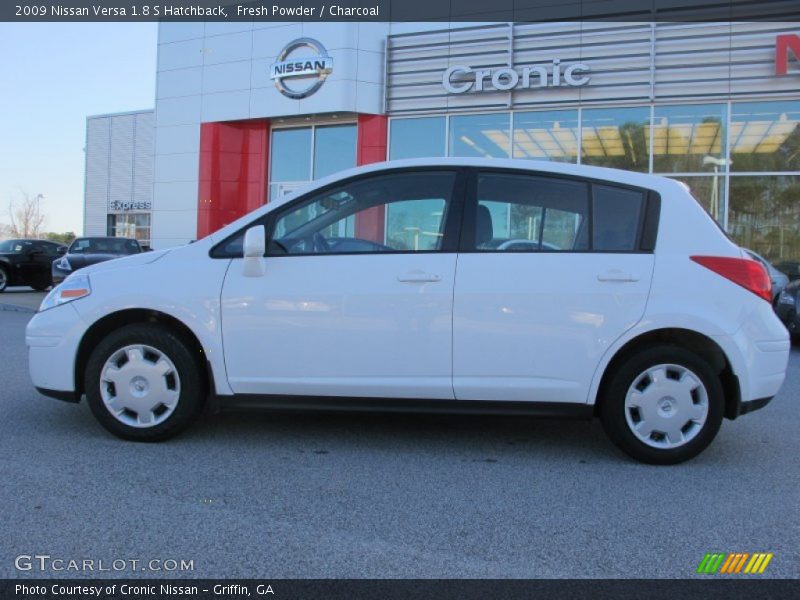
<point>246,112</point>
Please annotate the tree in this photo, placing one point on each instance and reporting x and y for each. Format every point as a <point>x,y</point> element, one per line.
<point>26,218</point>
<point>62,238</point>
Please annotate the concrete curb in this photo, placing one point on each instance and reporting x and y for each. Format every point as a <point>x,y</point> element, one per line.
<point>16,308</point>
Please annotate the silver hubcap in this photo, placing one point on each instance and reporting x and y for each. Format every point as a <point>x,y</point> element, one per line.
<point>140,386</point>
<point>666,406</point>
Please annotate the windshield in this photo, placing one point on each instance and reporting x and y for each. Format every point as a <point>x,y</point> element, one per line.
<point>14,246</point>
<point>104,246</point>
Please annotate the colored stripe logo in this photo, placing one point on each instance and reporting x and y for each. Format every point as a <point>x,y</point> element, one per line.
<point>734,563</point>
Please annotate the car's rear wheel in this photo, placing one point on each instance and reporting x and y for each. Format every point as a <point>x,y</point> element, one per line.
<point>663,405</point>
<point>3,279</point>
<point>144,383</point>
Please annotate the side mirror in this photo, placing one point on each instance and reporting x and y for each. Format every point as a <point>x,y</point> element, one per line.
<point>61,250</point>
<point>255,244</point>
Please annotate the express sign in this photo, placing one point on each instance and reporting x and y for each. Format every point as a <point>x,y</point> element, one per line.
<point>460,79</point>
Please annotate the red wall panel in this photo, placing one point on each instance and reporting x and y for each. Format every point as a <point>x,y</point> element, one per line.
<point>233,172</point>
<point>371,147</point>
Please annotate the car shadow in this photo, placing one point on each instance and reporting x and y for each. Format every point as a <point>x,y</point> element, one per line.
<point>479,438</point>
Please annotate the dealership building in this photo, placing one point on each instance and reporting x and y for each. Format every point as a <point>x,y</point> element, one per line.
<point>248,112</point>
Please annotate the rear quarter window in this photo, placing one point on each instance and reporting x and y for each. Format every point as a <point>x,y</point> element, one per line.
<point>617,218</point>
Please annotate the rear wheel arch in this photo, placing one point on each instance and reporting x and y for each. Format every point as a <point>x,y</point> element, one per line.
<point>109,323</point>
<point>697,343</point>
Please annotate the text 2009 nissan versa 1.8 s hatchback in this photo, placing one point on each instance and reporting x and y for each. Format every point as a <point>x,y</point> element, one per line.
<point>441,284</point>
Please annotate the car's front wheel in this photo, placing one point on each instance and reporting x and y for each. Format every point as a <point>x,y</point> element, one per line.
<point>3,279</point>
<point>663,405</point>
<point>144,383</point>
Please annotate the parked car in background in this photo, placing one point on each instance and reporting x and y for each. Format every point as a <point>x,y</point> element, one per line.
<point>27,262</point>
<point>87,251</point>
<point>790,268</point>
<point>778,279</point>
<point>510,286</point>
<point>787,308</point>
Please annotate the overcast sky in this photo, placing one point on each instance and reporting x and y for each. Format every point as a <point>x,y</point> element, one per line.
<point>52,76</point>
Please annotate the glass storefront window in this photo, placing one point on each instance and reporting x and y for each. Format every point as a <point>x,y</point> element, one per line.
<point>709,191</point>
<point>480,135</point>
<point>292,164</point>
<point>130,225</point>
<point>764,216</point>
<point>334,149</point>
<point>417,138</point>
<point>765,136</point>
<point>546,135</point>
<point>616,137</point>
<point>689,138</point>
<point>290,155</point>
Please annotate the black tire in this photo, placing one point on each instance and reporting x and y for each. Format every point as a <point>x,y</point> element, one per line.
<point>3,279</point>
<point>41,285</point>
<point>613,412</point>
<point>192,392</point>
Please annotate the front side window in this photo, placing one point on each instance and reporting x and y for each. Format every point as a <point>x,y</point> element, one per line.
<point>529,213</point>
<point>403,212</point>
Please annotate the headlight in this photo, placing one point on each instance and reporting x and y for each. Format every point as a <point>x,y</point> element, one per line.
<point>73,288</point>
<point>785,298</point>
<point>63,264</point>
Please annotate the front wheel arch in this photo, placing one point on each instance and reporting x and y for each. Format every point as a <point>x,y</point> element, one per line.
<point>695,342</point>
<point>102,327</point>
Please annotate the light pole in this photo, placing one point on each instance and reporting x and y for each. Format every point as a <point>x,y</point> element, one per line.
<point>717,163</point>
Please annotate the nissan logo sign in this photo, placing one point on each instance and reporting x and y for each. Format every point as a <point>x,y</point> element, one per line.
<point>309,69</point>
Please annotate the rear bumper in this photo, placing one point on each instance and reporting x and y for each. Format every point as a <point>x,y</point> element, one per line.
<point>758,354</point>
<point>748,407</point>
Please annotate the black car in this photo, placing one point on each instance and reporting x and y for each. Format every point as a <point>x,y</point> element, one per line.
<point>787,307</point>
<point>27,262</point>
<point>87,251</point>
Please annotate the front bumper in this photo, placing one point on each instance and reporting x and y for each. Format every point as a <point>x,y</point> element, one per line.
<point>60,395</point>
<point>53,337</point>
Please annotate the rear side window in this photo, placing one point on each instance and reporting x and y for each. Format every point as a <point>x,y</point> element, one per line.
<point>617,216</point>
<point>519,213</point>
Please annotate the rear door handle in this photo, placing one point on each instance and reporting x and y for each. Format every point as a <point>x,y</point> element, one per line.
<point>616,275</point>
<point>418,277</point>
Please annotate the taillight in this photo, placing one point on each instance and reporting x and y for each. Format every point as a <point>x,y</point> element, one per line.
<point>747,273</point>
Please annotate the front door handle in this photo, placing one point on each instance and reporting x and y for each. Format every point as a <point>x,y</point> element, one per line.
<point>418,277</point>
<point>617,275</point>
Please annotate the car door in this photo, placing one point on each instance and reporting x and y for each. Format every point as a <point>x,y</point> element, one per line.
<point>30,265</point>
<point>372,321</point>
<point>552,271</point>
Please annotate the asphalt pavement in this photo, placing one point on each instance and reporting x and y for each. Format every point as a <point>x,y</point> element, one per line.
<point>287,495</point>
<point>21,299</point>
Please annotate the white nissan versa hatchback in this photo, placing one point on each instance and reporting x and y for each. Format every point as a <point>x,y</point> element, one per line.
<point>456,285</point>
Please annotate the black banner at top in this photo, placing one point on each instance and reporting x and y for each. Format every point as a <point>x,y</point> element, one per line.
<point>399,10</point>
